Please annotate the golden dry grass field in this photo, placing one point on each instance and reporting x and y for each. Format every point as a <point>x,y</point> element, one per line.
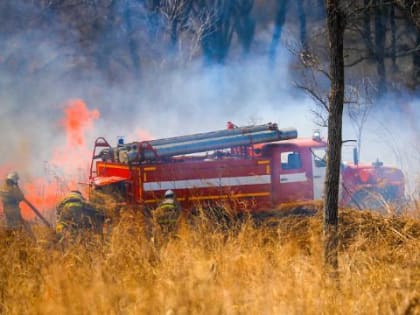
<point>273,267</point>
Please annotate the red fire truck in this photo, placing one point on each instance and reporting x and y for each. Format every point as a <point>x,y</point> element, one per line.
<point>252,168</point>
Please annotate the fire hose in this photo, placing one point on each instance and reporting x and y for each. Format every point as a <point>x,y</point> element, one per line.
<point>35,210</point>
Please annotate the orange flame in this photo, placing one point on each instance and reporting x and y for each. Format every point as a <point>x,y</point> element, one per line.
<point>69,163</point>
<point>74,156</point>
<point>78,119</point>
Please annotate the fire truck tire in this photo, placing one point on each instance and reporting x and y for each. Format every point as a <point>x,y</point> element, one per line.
<point>369,200</point>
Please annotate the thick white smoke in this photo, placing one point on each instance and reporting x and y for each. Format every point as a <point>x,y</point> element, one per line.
<point>169,102</point>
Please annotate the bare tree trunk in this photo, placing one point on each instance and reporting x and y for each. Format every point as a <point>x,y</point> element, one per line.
<point>177,13</point>
<point>152,7</point>
<point>416,61</point>
<point>217,36</point>
<point>174,35</point>
<point>244,23</point>
<point>412,10</point>
<point>278,27</point>
<point>320,9</point>
<point>380,46</point>
<point>393,37</point>
<point>336,25</point>
<point>367,30</point>
<point>105,46</point>
<point>302,23</point>
<point>132,43</point>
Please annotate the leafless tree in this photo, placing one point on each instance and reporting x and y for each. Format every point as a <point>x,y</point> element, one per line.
<point>217,36</point>
<point>282,6</point>
<point>244,23</point>
<point>358,105</point>
<point>336,21</point>
<point>412,9</point>
<point>133,44</point>
<point>221,20</point>
<point>177,14</point>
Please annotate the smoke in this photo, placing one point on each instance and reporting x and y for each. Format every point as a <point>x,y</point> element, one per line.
<point>52,111</point>
<point>48,138</point>
<point>392,135</point>
<point>201,99</point>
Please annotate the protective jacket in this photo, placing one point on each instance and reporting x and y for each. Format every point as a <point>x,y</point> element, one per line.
<point>167,214</point>
<point>75,213</point>
<point>11,196</point>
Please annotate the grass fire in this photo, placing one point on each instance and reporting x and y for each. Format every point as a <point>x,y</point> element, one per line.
<point>209,157</point>
<point>234,253</point>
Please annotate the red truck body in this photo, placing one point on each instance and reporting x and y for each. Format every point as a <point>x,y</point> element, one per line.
<point>254,178</point>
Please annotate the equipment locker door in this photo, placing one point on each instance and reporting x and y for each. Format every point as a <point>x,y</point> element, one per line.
<point>291,177</point>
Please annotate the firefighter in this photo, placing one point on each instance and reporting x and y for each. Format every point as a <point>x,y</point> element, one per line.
<point>108,198</point>
<point>75,214</point>
<point>11,196</point>
<point>167,215</point>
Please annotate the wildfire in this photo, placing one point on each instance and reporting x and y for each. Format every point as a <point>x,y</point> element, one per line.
<point>74,156</point>
<point>69,163</point>
<point>78,119</point>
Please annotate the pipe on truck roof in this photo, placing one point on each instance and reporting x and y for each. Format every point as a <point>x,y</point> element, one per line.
<point>214,134</point>
<point>181,148</point>
<point>216,140</point>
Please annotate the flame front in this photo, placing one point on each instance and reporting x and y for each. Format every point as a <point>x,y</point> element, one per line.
<point>78,119</point>
<point>68,166</point>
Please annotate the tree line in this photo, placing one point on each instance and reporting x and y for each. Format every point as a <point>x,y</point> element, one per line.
<point>129,39</point>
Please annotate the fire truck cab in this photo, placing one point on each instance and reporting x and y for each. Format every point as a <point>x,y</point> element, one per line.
<point>250,168</point>
<point>297,169</point>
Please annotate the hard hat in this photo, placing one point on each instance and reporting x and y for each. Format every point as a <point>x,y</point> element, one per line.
<point>13,176</point>
<point>169,194</point>
<point>76,192</point>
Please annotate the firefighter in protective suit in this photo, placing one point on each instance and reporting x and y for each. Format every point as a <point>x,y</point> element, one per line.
<point>167,215</point>
<point>75,214</point>
<point>11,196</point>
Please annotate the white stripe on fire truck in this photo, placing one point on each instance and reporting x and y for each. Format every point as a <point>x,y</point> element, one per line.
<point>208,182</point>
<point>293,178</point>
<point>208,197</point>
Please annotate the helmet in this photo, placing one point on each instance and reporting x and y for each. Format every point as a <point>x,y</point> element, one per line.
<point>75,194</point>
<point>169,194</point>
<point>13,177</point>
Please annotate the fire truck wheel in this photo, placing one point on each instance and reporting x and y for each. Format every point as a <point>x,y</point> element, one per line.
<point>369,200</point>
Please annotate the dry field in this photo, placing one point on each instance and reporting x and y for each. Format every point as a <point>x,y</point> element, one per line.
<point>273,267</point>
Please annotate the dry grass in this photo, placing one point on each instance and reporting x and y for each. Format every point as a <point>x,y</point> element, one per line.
<point>275,267</point>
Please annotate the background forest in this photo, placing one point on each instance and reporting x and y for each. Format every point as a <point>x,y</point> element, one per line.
<point>151,68</point>
<point>124,40</point>
<point>210,61</point>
